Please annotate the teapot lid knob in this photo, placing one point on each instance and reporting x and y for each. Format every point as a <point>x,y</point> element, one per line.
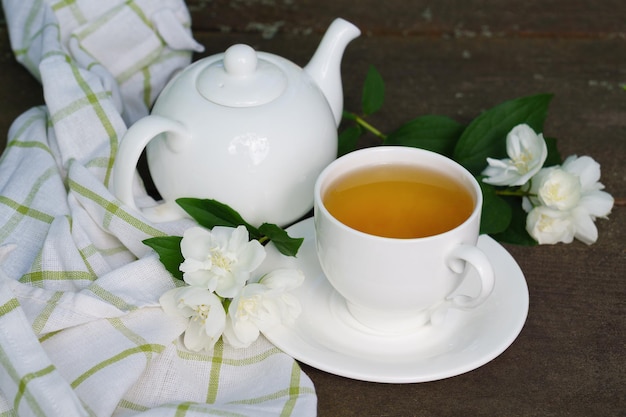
<point>241,79</point>
<point>240,60</point>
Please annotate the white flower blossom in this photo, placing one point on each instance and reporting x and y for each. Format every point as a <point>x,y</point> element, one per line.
<point>593,202</point>
<point>527,152</point>
<point>574,192</point>
<point>555,188</point>
<point>220,259</point>
<point>204,310</point>
<point>263,305</point>
<point>549,226</point>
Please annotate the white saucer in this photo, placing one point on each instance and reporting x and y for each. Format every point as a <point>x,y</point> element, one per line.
<point>326,337</point>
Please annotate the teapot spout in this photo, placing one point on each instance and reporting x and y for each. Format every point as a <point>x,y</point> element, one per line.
<point>325,66</point>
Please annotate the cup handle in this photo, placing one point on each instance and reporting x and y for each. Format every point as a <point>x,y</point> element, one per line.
<point>469,254</point>
<point>133,143</point>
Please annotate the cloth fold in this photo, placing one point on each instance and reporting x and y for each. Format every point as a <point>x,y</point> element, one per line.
<point>81,329</point>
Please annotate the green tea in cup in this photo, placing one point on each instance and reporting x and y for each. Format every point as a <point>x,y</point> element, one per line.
<point>399,201</point>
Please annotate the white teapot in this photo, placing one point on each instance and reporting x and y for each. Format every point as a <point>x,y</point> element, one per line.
<point>249,129</point>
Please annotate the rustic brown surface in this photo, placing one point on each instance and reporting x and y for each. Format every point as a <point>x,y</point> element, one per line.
<point>456,59</point>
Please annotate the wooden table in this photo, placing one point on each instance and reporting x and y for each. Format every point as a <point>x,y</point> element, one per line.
<point>457,59</point>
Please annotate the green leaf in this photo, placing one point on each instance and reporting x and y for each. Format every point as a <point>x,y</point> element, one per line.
<point>516,232</point>
<point>373,92</point>
<point>434,133</point>
<point>486,134</point>
<point>554,157</point>
<point>348,139</point>
<point>210,213</point>
<point>168,249</point>
<point>496,213</point>
<point>285,244</point>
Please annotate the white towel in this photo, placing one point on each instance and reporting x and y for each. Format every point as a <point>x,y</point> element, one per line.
<point>81,329</point>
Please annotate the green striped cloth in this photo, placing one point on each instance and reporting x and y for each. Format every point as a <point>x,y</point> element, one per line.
<point>81,329</point>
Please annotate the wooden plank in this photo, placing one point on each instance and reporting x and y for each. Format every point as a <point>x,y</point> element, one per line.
<point>19,90</point>
<point>469,18</point>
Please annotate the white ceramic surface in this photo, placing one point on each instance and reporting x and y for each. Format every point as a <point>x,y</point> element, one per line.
<point>396,283</point>
<point>326,337</point>
<point>249,129</point>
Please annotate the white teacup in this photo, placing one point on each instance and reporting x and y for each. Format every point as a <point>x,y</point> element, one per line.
<point>395,284</point>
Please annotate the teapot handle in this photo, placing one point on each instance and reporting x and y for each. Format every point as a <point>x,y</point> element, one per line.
<point>132,145</point>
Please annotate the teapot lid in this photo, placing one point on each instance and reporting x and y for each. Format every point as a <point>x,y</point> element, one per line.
<point>241,79</point>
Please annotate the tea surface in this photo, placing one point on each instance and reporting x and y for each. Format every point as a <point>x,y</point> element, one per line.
<point>399,201</point>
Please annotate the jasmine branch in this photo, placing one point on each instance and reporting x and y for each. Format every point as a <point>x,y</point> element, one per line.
<point>363,123</point>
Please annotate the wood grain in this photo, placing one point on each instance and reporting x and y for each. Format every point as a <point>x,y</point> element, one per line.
<point>458,58</point>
